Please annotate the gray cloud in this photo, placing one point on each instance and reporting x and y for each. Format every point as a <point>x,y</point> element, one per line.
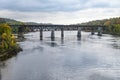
<point>59,11</point>
<point>56,5</point>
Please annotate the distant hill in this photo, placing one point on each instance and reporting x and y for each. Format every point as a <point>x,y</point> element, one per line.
<point>111,21</point>
<point>30,23</point>
<point>15,22</point>
<point>108,22</point>
<point>10,21</point>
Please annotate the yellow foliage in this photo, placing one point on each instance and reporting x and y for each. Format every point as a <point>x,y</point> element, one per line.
<point>8,39</point>
<point>13,43</point>
<point>107,23</point>
<point>12,36</point>
<point>4,35</point>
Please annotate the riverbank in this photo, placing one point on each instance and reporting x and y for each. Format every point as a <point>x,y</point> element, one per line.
<point>8,53</point>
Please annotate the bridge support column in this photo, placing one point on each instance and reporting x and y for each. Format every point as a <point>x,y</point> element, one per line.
<point>52,35</point>
<point>92,31</point>
<point>41,34</point>
<point>99,31</point>
<point>62,33</point>
<point>20,33</point>
<point>79,33</point>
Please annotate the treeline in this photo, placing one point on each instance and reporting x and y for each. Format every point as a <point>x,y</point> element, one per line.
<point>14,22</point>
<point>110,21</point>
<point>113,25</point>
<point>10,21</point>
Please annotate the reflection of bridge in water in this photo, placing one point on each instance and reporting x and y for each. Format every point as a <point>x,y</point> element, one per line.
<point>62,28</point>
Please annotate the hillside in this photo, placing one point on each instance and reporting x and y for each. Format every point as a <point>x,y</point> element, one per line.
<point>14,22</point>
<point>34,23</point>
<point>10,21</point>
<point>111,21</point>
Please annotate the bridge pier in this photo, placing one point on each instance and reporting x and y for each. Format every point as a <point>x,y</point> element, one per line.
<point>41,34</point>
<point>62,33</point>
<point>52,35</point>
<point>92,31</point>
<point>99,31</point>
<point>79,33</point>
<point>20,33</point>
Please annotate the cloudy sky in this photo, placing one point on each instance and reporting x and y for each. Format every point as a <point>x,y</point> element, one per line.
<point>59,11</point>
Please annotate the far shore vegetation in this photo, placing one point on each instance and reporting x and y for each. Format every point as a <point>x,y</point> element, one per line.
<point>112,24</point>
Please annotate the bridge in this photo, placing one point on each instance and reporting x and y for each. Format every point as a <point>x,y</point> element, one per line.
<point>62,28</point>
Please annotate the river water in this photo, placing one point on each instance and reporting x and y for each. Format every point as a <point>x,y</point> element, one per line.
<point>91,58</point>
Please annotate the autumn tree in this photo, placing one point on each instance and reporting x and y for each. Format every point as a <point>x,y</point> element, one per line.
<point>7,40</point>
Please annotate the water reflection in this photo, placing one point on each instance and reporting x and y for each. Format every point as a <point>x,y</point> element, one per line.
<point>2,65</point>
<point>53,44</point>
<point>0,75</point>
<point>116,45</point>
<point>62,40</point>
<point>79,38</point>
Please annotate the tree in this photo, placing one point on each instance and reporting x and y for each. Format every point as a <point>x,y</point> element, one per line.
<point>7,39</point>
<point>107,23</point>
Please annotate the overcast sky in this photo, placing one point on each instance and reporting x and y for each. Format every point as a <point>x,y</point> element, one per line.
<point>59,11</point>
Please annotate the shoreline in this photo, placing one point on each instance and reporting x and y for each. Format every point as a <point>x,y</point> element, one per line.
<point>8,53</point>
<point>4,55</point>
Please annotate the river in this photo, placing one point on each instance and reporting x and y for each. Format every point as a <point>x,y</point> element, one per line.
<point>91,58</point>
